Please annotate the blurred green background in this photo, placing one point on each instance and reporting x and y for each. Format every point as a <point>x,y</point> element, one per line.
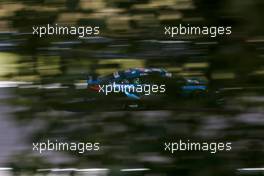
<point>36,71</point>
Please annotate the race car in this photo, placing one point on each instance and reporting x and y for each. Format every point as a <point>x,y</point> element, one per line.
<point>147,85</point>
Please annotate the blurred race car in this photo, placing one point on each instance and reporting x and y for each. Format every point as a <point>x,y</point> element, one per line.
<point>142,86</point>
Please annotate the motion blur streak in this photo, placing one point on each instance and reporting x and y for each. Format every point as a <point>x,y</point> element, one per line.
<point>135,170</point>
